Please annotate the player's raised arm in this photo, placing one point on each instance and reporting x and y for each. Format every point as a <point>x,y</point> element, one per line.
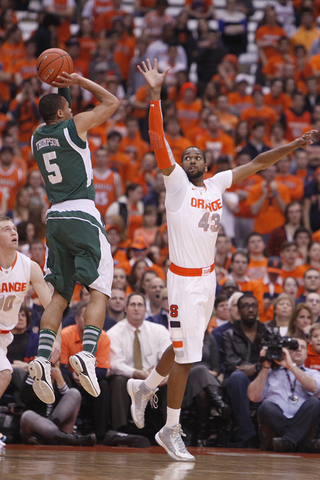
<point>266,159</point>
<point>158,143</point>
<point>86,120</point>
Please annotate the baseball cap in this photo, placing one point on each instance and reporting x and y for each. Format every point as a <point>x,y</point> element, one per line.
<point>274,265</point>
<point>187,85</point>
<point>139,243</point>
<point>257,88</point>
<point>242,77</point>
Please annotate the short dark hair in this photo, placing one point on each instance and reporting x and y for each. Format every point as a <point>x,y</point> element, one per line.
<point>49,105</point>
<point>253,234</point>
<point>220,298</point>
<point>193,146</point>
<point>244,296</point>
<point>243,253</point>
<point>136,293</point>
<point>114,134</point>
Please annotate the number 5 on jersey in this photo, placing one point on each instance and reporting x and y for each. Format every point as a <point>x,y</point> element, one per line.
<point>52,168</point>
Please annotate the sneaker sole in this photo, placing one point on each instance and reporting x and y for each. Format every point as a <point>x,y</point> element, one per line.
<point>170,453</point>
<point>78,366</point>
<point>133,404</point>
<point>41,387</point>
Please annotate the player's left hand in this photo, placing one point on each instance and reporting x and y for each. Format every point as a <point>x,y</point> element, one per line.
<point>306,140</point>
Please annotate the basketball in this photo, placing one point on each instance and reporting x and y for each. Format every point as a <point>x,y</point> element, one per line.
<point>53,62</point>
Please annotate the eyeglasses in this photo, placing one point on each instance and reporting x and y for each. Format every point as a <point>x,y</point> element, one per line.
<point>248,305</point>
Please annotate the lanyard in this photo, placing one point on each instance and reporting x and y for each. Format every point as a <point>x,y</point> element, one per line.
<point>292,384</point>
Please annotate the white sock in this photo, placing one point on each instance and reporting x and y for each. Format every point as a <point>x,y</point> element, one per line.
<point>153,380</point>
<point>173,416</point>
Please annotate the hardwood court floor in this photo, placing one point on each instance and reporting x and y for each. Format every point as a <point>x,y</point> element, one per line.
<point>19,462</point>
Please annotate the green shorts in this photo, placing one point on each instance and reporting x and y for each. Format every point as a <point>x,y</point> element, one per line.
<point>78,251</point>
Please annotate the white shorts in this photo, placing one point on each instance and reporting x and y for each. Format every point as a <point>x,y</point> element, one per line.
<point>5,340</point>
<point>191,301</point>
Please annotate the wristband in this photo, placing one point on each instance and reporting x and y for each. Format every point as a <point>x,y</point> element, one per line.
<point>293,365</point>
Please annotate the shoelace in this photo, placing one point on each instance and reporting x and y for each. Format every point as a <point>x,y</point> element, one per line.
<point>177,434</point>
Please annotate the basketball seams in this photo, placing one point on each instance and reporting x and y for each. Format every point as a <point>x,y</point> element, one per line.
<point>61,61</point>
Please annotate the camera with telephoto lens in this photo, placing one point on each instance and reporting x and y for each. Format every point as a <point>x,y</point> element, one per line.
<point>275,343</point>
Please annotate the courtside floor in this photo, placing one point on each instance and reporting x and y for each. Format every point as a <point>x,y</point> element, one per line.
<point>19,462</point>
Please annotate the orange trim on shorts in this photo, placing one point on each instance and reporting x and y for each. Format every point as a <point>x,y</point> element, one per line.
<point>4,332</point>
<point>191,272</point>
<point>177,344</point>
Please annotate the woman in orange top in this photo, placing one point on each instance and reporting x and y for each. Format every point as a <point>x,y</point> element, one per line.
<point>188,108</point>
<point>241,135</point>
<point>267,35</point>
<point>86,38</point>
<point>149,227</point>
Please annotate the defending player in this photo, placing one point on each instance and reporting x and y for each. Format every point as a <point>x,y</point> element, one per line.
<point>16,273</point>
<point>194,208</point>
<point>78,249</point>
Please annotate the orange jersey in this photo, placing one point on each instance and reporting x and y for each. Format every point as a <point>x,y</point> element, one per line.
<point>10,182</point>
<point>257,269</point>
<point>269,291</point>
<point>123,53</point>
<point>223,144</point>
<point>279,104</point>
<point>294,184</point>
<point>105,20</point>
<point>296,124</point>
<point>270,215</point>
<point>275,66</point>
<point>245,185</point>
<point>120,163</point>
<point>27,116</point>
<point>265,115</point>
<point>271,35</point>
<point>26,68</point>
<point>141,95</point>
<point>10,54</point>
<point>238,102</point>
<point>178,146</point>
<point>120,260</point>
<point>188,115</point>
<point>99,8</point>
<point>105,187</point>
<point>297,273</point>
<point>87,46</point>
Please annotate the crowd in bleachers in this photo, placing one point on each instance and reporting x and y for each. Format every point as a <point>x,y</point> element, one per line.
<point>269,241</point>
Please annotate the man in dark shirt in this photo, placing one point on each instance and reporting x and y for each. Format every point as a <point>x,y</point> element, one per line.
<point>240,349</point>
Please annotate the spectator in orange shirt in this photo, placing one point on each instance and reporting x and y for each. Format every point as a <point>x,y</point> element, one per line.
<point>119,162</point>
<point>276,99</point>
<point>87,40</point>
<point>13,48</point>
<point>267,35</point>
<point>238,267</point>
<point>239,99</point>
<point>219,143</point>
<point>11,177</point>
<point>277,135</point>
<point>64,10</point>
<point>243,217</point>
<point>155,20</point>
<point>122,47</point>
<point>241,135</point>
<point>104,21</point>
<point>80,65</point>
<point>133,146</point>
<point>296,119</point>
<point>176,141</point>
<point>258,262</point>
<point>210,95</point>
<point>120,259</point>
<point>227,71</point>
<point>140,102</point>
<point>294,183</point>
<point>223,254</point>
<point>289,254</point>
<point>149,227</point>
<point>146,175</point>
<point>313,358</point>
<point>26,67</point>
<point>267,202</point>
<point>188,108</point>
<point>227,120</point>
<point>107,183</point>
<point>271,286</point>
<point>274,67</point>
<point>259,112</point>
<point>24,110</point>
<point>302,237</point>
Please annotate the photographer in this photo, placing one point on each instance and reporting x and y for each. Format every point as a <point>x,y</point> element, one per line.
<point>290,409</point>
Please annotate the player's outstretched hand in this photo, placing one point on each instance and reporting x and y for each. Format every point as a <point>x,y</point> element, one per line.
<point>306,140</point>
<point>66,79</point>
<point>151,75</point>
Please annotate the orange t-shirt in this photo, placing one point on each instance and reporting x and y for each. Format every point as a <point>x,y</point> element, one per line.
<point>238,102</point>
<point>267,314</point>
<point>270,215</point>
<point>105,188</point>
<point>272,35</point>
<point>313,359</point>
<point>294,184</point>
<point>188,115</point>
<point>87,46</point>
<point>265,115</point>
<point>123,53</point>
<point>121,164</point>
<point>27,118</point>
<point>223,144</point>
<point>296,124</point>
<point>257,269</point>
<point>26,68</point>
<point>71,344</point>
<point>246,185</point>
<point>279,104</point>
<point>178,146</point>
<point>297,273</point>
<point>10,182</point>
<point>10,54</point>
<point>141,95</point>
<point>275,65</point>
<point>134,148</point>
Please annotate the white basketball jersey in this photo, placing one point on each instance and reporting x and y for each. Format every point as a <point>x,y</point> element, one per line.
<point>14,284</point>
<point>193,217</point>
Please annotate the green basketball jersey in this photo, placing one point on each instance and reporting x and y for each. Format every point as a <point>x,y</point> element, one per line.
<point>64,161</point>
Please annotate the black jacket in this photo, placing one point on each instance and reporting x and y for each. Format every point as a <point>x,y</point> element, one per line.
<point>236,348</point>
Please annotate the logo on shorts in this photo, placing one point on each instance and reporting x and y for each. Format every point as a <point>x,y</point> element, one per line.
<point>206,271</point>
